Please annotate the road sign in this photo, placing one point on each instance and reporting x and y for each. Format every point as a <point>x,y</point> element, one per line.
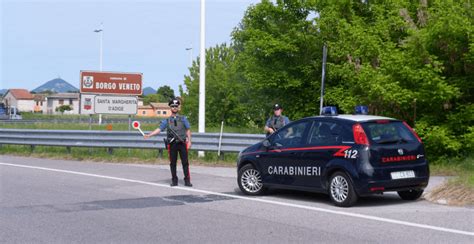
<point>111,83</point>
<point>115,105</point>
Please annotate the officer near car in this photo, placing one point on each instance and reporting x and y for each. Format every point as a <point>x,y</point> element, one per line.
<point>177,141</point>
<point>277,121</point>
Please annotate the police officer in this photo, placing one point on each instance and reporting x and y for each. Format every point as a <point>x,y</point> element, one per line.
<point>179,141</point>
<point>277,121</point>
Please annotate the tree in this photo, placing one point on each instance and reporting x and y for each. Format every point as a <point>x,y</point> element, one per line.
<point>224,98</point>
<point>166,93</point>
<point>153,98</point>
<point>63,108</point>
<point>279,56</point>
<point>390,55</point>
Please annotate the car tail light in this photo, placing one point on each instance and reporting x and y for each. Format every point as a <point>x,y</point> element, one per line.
<point>359,135</point>
<point>412,131</point>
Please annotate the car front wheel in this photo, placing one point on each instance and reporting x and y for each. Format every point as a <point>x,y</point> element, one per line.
<point>250,180</point>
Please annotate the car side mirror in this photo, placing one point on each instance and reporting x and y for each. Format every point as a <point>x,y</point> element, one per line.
<point>266,143</point>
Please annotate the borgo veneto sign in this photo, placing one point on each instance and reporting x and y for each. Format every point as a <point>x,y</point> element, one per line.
<point>111,83</point>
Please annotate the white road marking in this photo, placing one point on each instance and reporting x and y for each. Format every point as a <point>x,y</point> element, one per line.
<point>361,216</point>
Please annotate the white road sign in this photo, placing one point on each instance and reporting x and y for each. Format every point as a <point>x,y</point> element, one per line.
<point>103,104</point>
<point>115,105</point>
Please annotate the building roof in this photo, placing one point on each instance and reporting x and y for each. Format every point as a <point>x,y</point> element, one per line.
<point>160,105</point>
<point>20,94</point>
<point>39,97</point>
<point>145,107</point>
<point>63,96</point>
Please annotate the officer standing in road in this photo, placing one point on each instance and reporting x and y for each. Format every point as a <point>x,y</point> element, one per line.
<point>277,121</point>
<point>178,141</point>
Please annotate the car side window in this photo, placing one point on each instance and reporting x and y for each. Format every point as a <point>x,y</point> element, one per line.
<point>326,133</point>
<point>291,136</point>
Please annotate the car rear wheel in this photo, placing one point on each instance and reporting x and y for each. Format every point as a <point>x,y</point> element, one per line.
<point>410,194</point>
<point>250,180</point>
<point>341,190</point>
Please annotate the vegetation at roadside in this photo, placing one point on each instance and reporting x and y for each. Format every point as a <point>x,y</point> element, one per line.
<point>461,167</point>
<point>140,156</point>
<point>412,60</point>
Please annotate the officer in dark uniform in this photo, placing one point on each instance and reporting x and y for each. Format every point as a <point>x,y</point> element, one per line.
<point>277,121</point>
<point>178,141</point>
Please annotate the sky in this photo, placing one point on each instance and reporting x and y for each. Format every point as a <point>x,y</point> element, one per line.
<point>45,39</point>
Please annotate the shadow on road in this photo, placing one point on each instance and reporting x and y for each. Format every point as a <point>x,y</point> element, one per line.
<point>387,199</point>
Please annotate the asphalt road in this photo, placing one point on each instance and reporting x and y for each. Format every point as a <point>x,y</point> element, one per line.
<point>58,201</point>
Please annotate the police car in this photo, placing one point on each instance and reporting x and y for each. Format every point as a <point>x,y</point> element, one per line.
<point>345,156</point>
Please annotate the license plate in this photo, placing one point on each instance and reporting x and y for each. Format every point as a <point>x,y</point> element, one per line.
<point>403,174</point>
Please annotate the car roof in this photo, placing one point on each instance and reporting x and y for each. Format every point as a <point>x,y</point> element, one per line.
<point>356,117</point>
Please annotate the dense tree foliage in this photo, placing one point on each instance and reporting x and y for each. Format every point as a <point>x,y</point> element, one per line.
<point>163,95</point>
<point>166,93</point>
<point>412,60</point>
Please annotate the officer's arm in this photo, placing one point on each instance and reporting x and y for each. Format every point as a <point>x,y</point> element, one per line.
<point>158,130</point>
<point>188,135</point>
<point>155,132</point>
<point>267,127</point>
<point>188,131</point>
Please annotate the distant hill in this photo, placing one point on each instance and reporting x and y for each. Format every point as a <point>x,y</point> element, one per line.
<point>3,91</point>
<point>56,86</point>
<point>148,91</point>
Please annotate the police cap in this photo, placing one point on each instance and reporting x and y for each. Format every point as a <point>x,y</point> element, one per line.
<point>174,102</point>
<point>277,106</point>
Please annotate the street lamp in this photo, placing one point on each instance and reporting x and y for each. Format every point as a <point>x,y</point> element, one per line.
<point>100,31</point>
<point>100,41</point>
<point>190,55</point>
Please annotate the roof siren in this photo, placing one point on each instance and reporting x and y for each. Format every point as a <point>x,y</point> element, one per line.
<point>361,110</point>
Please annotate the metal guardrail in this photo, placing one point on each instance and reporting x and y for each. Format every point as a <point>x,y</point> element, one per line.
<point>231,142</point>
<point>82,120</point>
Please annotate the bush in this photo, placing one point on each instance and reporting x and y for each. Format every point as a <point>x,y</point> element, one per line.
<point>439,140</point>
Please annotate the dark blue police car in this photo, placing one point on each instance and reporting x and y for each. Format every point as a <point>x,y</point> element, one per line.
<point>345,156</point>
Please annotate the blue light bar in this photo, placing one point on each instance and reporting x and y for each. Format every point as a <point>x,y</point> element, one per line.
<point>361,109</point>
<point>330,110</point>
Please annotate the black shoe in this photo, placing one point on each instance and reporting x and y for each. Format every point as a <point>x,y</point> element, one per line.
<point>188,183</point>
<point>174,183</point>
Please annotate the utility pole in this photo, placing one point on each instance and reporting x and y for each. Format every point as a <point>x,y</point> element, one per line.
<point>100,31</point>
<point>202,74</point>
<point>323,76</point>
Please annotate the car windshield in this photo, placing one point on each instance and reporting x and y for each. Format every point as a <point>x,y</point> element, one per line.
<point>388,132</point>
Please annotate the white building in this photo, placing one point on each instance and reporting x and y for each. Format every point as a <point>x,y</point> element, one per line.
<point>22,99</point>
<point>55,101</point>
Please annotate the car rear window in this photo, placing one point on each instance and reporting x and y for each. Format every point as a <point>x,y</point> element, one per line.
<point>388,132</point>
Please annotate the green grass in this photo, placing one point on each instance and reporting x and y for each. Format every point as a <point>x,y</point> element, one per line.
<point>146,156</point>
<point>462,167</point>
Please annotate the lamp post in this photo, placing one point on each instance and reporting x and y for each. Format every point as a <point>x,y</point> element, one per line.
<point>100,32</point>
<point>190,49</point>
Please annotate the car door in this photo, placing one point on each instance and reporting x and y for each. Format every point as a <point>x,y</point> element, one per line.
<point>278,161</point>
<point>323,142</point>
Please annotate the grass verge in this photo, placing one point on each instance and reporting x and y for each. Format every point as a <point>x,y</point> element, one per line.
<point>459,190</point>
<point>138,156</point>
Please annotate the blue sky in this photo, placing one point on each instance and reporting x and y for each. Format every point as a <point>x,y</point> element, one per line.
<point>45,39</point>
